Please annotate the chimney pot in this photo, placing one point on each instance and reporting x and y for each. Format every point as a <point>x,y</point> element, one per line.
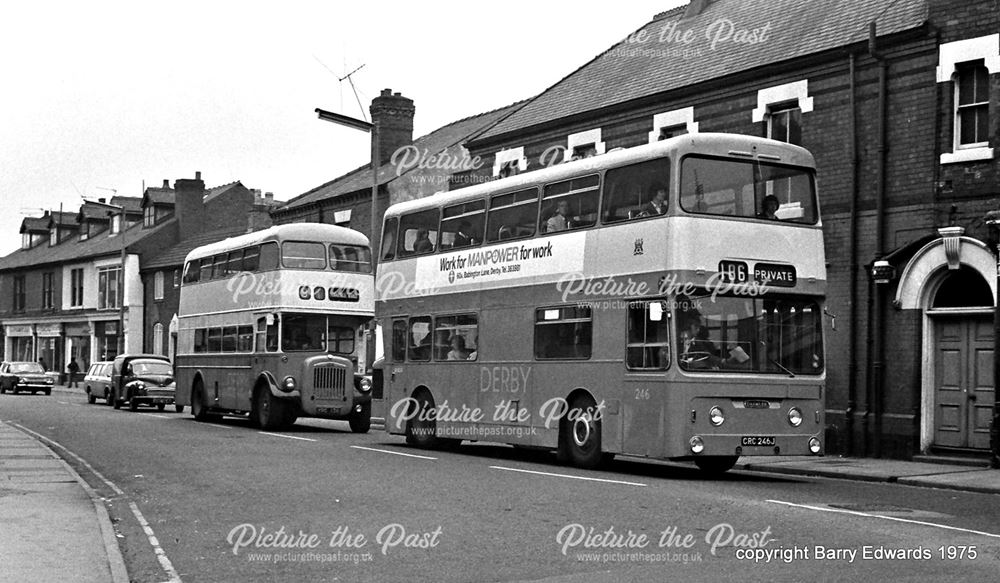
<point>197,175</point>
<point>269,196</point>
<point>386,92</point>
<point>166,183</point>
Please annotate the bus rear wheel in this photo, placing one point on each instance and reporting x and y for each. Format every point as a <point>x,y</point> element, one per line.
<point>361,422</point>
<point>580,434</point>
<point>716,465</point>
<point>198,408</point>
<point>269,412</point>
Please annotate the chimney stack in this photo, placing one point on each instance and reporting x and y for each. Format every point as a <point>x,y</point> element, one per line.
<point>696,7</point>
<point>102,200</point>
<point>189,205</point>
<point>166,184</point>
<point>394,115</point>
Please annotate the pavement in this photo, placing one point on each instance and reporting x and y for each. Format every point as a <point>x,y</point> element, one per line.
<point>56,528</point>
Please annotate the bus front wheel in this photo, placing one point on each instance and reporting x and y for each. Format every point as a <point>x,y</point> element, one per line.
<point>715,465</point>
<point>269,412</point>
<point>361,422</point>
<point>580,434</point>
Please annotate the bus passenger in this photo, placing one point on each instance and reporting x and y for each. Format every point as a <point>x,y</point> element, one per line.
<point>458,351</point>
<point>559,221</point>
<point>464,237</point>
<point>423,242</point>
<point>770,207</point>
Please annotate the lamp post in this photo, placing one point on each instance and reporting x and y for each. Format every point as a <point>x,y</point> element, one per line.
<point>372,128</point>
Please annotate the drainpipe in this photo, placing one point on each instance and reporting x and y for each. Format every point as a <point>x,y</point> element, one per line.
<point>852,379</point>
<point>878,331</point>
<point>993,220</point>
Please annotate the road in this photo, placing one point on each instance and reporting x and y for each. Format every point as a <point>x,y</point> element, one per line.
<point>227,502</point>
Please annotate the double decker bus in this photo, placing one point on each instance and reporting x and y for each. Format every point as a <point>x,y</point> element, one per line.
<point>663,301</point>
<point>272,325</point>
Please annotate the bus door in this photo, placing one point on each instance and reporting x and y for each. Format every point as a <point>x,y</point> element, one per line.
<point>647,358</point>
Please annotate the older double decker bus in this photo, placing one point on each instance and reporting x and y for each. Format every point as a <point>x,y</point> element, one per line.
<point>662,301</point>
<point>272,325</point>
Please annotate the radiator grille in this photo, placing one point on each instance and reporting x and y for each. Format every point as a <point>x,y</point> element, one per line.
<point>329,382</point>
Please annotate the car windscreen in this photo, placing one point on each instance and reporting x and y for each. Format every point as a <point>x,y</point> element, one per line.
<point>27,367</point>
<point>151,367</point>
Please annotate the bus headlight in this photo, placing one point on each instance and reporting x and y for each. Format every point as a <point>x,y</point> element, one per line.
<point>795,416</point>
<point>364,384</point>
<point>697,445</point>
<point>814,445</point>
<point>288,384</point>
<point>716,417</point>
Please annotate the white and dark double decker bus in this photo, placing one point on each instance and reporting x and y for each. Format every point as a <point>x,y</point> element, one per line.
<point>272,325</point>
<point>663,301</point>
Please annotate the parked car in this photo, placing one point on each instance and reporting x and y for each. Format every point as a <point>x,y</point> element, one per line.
<point>24,376</point>
<point>97,383</point>
<point>143,379</point>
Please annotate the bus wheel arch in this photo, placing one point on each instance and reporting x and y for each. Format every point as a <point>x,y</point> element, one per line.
<point>266,410</point>
<point>580,432</point>
<point>421,431</point>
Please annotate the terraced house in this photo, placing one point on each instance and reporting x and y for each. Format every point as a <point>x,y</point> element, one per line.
<point>898,101</point>
<point>91,284</point>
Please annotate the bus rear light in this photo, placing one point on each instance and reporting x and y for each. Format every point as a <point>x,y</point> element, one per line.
<point>814,445</point>
<point>288,384</point>
<point>716,417</point>
<point>795,416</point>
<point>697,444</point>
<point>694,415</point>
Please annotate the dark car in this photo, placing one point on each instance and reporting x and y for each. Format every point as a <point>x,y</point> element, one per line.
<point>24,376</point>
<point>97,383</point>
<point>143,379</point>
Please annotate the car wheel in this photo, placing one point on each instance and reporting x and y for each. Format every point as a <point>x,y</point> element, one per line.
<point>48,391</point>
<point>179,408</point>
<point>107,397</point>
<point>160,407</point>
<point>114,399</point>
<point>15,391</point>
<point>580,437</point>
<point>133,404</point>
<point>361,422</point>
<point>91,398</point>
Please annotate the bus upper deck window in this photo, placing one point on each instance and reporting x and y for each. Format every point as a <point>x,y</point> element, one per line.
<point>636,191</point>
<point>303,255</point>
<point>268,256</point>
<point>417,233</point>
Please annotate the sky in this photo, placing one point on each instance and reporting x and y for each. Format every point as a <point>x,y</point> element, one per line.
<point>101,98</point>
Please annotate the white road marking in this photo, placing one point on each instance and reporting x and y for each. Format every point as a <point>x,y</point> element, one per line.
<point>155,416</point>
<point>286,436</point>
<point>569,476</point>
<point>423,457</point>
<point>882,516</point>
<point>165,563</point>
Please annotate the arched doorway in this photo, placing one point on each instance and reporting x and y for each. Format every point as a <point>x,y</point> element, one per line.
<point>952,281</point>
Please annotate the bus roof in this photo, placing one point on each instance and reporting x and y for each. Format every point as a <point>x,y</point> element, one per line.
<point>294,231</point>
<point>703,143</point>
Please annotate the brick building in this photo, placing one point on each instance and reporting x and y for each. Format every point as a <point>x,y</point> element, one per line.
<point>897,99</point>
<point>208,216</point>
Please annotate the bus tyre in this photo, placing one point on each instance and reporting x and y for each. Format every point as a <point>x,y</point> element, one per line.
<point>361,422</point>
<point>198,408</point>
<point>269,412</point>
<point>580,434</point>
<point>420,429</point>
<point>716,465</point>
